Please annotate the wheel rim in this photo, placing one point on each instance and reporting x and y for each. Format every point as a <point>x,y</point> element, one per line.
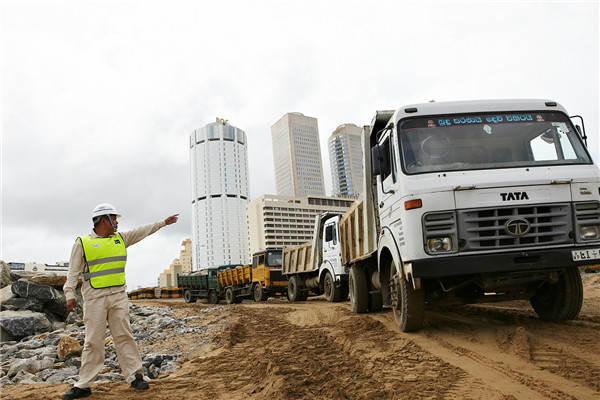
<point>394,292</point>
<point>258,295</point>
<point>293,292</point>
<point>328,286</point>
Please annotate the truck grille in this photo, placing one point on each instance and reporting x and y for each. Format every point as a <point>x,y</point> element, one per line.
<point>485,228</point>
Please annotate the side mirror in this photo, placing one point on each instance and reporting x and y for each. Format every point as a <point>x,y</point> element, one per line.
<point>378,160</point>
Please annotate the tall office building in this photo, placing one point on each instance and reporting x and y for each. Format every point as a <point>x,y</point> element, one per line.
<point>345,161</point>
<point>220,192</point>
<point>297,156</point>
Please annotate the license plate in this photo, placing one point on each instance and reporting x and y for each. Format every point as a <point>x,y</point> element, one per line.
<point>581,255</point>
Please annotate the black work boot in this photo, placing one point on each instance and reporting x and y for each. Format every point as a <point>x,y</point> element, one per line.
<point>139,383</point>
<point>77,393</point>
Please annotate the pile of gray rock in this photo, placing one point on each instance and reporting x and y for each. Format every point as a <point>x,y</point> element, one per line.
<point>41,342</point>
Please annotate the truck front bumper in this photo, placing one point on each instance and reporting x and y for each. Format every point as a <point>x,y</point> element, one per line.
<point>475,264</point>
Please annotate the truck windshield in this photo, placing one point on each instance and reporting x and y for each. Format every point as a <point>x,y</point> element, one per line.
<point>488,141</point>
<point>274,258</point>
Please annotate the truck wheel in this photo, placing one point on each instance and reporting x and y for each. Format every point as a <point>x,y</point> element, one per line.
<point>259,295</point>
<point>213,298</point>
<point>332,293</point>
<point>294,289</point>
<point>359,291</point>
<point>408,303</point>
<point>187,296</point>
<point>375,301</point>
<point>230,296</point>
<point>344,293</point>
<point>559,301</point>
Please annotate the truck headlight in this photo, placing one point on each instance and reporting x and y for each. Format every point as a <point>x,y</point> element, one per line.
<point>589,232</point>
<point>439,244</point>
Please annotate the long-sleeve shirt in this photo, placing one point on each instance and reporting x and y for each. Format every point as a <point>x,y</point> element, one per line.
<point>77,263</point>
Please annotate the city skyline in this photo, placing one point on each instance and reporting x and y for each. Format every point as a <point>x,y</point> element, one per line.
<point>99,98</point>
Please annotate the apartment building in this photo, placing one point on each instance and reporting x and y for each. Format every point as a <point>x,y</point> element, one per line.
<point>277,221</point>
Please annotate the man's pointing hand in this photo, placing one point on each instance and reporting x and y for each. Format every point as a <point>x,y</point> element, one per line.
<point>172,219</point>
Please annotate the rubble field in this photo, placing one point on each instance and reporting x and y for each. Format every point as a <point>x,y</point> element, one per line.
<point>320,350</point>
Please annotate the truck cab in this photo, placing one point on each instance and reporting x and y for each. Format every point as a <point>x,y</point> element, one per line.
<point>266,274</point>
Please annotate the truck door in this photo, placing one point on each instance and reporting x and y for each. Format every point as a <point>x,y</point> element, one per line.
<point>387,185</point>
<point>331,245</point>
<point>258,268</point>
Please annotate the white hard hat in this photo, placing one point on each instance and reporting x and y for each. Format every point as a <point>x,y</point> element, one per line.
<point>105,209</point>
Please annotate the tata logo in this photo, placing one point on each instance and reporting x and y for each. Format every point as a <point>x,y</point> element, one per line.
<point>517,226</point>
<point>514,196</point>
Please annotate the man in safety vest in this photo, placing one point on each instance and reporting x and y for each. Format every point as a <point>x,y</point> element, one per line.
<point>100,258</point>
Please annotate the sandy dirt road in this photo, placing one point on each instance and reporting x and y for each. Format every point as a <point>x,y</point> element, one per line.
<point>320,350</point>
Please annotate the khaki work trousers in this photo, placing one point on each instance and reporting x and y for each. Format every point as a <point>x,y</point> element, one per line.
<point>113,309</point>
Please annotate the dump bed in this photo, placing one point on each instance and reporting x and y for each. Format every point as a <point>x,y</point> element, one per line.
<point>235,276</point>
<point>299,259</point>
<point>306,257</point>
<point>194,281</point>
<point>358,227</point>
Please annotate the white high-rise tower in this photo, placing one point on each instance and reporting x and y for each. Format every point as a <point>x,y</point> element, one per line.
<point>220,191</point>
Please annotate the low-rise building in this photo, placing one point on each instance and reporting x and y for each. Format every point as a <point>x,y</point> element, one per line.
<point>179,266</point>
<point>277,221</point>
<point>60,268</point>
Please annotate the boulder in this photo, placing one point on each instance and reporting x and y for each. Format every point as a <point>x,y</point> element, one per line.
<point>24,323</point>
<point>6,293</point>
<point>68,347</point>
<point>20,303</point>
<point>57,305</point>
<point>5,279</point>
<point>30,365</point>
<point>49,279</point>
<point>5,336</point>
<point>26,289</point>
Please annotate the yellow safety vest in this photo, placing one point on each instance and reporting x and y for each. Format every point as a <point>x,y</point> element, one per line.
<point>105,259</point>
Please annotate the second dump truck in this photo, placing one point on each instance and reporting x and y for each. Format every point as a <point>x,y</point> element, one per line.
<point>317,265</point>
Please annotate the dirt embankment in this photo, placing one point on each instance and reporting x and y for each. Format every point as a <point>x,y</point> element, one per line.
<point>319,350</point>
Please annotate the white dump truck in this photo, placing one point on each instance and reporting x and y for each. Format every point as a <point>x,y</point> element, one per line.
<point>473,202</point>
<point>317,265</point>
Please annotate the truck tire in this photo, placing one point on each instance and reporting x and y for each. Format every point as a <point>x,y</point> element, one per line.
<point>230,296</point>
<point>187,296</point>
<point>559,301</point>
<point>375,301</point>
<point>213,298</point>
<point>304,294</point>
<point>294,289</point>
<point>332,293</point>
<point>344,292</point>
<point>359,290</point>
<point>259,294</point>
<point>407,302</point>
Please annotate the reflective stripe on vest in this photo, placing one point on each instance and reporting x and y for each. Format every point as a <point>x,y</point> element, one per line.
<point>105,259</point>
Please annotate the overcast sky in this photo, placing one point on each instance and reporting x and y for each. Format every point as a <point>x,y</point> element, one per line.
<point>99,97</point>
